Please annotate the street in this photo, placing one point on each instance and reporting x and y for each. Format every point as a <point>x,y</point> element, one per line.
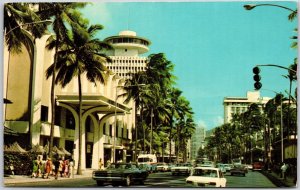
<point>252,180</point>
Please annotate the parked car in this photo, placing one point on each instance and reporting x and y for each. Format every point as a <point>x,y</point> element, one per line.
<point>249,166</point>
<point>181,169</point>
<point>238,169</point>
<point>116,173</point>
<point>207,177</point>
<point>162,167</point>
<point>207,163</point>
<point>257,166</point>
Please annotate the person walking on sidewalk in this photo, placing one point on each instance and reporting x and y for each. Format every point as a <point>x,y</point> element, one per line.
<point>283,170</point>
<point>100,164</point>
<point>56,167</point>
<point>48,168</point>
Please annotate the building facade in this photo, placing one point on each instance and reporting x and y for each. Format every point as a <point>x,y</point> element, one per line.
<point>107,123</point>
<point>238,105</point>
<point>197,142</point>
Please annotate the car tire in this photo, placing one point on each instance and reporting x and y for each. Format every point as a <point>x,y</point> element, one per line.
<point>128,181</point>
<point>99,183</point>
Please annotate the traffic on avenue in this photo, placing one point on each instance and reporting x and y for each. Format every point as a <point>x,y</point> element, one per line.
<point>253,179</point>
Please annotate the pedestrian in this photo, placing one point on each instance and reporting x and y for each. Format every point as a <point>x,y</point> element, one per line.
<point>39,166</point>
<point>48,168</point>
<point>71,172</point>
<point>56,168</point>
<point>61,166</point>
<point>100,164</point>
<point>12,169</point>
<point>66,171</point>
<point>35,168</point>
<point>283,170</point>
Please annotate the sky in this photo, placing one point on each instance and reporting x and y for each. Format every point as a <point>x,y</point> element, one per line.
<point>213,45</point>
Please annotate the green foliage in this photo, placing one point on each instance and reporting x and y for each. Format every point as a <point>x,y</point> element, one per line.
<point>22,162</point>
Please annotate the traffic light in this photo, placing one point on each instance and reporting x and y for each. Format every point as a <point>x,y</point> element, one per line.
<point>256,77</point>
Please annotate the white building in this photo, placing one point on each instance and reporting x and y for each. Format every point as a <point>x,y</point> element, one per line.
<point>238,105</point>
<point>126,53</point>
<point>29,114</point>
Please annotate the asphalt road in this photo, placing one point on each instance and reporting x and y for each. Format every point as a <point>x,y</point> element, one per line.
<point>252,180</point>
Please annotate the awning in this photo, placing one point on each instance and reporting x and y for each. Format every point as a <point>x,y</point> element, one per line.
<point>8,131</point>
<point>15,147</point>
<point>38,149</point>
<point>104,104</point>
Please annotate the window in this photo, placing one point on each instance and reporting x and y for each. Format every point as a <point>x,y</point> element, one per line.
<point>44,113</point>
<point>110,130</point>
<point>104,129</point>
<point>70,121</point>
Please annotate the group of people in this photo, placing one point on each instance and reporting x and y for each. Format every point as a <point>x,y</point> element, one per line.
<point>59,166</point>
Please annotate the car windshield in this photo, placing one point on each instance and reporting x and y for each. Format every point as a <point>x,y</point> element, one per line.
<point>205,173</point>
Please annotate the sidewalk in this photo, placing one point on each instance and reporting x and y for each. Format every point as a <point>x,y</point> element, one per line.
<point>279,182</point>
<point>27,179</point>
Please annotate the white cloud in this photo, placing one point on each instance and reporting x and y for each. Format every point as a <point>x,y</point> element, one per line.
<point>202,123</point>
<point>219,120</point>
<point>97,13</point>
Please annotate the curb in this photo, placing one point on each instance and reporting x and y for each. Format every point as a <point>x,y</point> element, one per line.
<point>278,182</point>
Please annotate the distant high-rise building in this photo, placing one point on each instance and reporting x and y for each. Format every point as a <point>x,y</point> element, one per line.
<point>238,105</point>
<point>197,141</point>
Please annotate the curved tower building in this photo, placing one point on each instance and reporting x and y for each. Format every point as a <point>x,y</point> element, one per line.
<point>125,55</point>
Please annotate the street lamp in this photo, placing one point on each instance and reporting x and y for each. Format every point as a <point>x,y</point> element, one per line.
<point>252,6</point>
<point>25,24</point>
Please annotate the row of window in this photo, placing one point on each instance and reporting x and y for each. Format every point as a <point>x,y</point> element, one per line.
<point>124,68</point>
<point>127,61</point>
<point>128,40</point>
<point>108,131</point>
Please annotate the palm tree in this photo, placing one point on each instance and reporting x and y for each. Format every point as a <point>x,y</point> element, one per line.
<point>136,89</point>
<point>81,55</point>
<point>19,19</point>
<point>173,97</point>
<point>186,127</point>
<point>63,15</point>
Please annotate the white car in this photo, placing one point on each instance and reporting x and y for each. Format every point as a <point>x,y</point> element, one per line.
<point>163,167</point>
<point>181,169</point>
<point>207,177</point>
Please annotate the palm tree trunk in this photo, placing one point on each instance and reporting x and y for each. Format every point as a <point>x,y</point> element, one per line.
<point>53,101</point>
<point>79,127</point>
<point>170,135</point>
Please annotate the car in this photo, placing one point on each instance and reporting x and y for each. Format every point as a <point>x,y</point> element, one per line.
<point>163,167</point>
<point>238,169</point>
<point>257,166</point>
<point>249,166</point>
<point>207,163</point>
<point>207,177</point>
<point>116,173</point>
<point>181,169</point>
<point>221,167</point>
<point>227,167</point>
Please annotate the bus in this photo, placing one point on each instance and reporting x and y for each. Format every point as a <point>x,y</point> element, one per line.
<point>148,162</point>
